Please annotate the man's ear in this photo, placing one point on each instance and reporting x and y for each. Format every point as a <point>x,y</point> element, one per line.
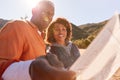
<point>33,11</point>
<point>36,11</point>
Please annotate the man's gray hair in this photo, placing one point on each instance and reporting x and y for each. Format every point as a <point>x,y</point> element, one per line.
<point>49,2</point>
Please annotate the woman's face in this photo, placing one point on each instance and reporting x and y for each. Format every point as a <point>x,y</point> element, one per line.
<point>60,33</point>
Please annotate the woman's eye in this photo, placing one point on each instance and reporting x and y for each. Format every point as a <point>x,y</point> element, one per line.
<point>64,29</point>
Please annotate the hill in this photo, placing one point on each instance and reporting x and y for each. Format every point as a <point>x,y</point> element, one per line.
<point>3,22</point>
<point>78,33</point>
<point>83,31</point>
<point>83,35</point>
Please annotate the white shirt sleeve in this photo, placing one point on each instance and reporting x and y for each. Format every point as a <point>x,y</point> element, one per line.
<point>18,71</point>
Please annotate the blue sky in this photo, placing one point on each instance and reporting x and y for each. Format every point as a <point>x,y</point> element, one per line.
<point>76,11</point>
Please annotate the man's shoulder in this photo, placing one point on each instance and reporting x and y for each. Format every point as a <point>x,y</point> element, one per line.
<point>17,22</point>
<point>17,25</point>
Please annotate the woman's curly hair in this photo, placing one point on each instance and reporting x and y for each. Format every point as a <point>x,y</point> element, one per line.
<point>49,33</point>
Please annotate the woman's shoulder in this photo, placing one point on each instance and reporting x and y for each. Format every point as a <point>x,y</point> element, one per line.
<point>70,43</point>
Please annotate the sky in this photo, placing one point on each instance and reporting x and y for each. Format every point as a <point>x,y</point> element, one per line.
<point>78,12</point>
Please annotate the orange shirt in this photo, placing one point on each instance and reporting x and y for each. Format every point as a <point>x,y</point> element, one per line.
<point>19,40</point>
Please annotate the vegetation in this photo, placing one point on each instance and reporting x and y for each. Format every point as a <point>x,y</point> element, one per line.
<point>86,33</point>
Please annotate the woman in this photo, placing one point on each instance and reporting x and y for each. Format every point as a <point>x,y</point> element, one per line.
<point>58,37</point>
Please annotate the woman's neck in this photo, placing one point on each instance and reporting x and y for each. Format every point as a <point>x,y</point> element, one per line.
<point>61,43</point>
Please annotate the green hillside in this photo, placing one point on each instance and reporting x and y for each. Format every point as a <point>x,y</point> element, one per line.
<point>83,35</point>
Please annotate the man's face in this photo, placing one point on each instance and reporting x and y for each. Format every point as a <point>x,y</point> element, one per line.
<point>44,17</point>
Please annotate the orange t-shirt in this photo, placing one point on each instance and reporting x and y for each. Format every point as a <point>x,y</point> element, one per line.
<point>19,40</point>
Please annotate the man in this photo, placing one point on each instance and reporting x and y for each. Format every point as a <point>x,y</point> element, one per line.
<point>21,42</point>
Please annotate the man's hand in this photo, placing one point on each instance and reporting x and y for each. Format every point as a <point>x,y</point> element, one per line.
<point>40,69</point>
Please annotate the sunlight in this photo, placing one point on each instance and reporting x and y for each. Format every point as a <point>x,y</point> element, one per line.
<point>31,3</point>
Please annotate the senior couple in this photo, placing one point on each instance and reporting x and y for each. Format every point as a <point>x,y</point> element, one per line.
<point>23,54</point>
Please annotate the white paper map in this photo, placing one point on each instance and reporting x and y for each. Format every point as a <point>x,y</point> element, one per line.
<point>102,58</point>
